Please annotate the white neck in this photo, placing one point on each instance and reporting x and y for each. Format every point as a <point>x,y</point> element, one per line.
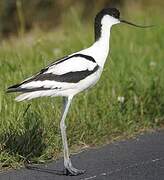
<point>100,49</point>
<point>101,46</point>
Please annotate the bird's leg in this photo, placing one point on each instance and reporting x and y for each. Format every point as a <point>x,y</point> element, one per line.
<point>70,170</point>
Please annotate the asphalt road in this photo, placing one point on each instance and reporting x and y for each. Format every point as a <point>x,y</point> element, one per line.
<point>141,158</point>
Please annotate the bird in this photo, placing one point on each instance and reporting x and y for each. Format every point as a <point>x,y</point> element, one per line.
<point>72,74</point>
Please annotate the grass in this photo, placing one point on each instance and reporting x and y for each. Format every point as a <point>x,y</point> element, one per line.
<point>128,99</point>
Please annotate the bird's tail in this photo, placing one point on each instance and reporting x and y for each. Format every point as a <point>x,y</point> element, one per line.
<point>22,97</point>
<point>14,88</point>
<point>17,88</point>
<point>28,94</point>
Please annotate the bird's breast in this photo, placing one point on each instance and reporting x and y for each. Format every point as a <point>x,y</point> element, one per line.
<point>90,81</point>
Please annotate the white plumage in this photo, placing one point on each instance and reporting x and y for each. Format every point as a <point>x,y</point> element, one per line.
<point>72,65</point>
<point>69,76</point>
<point>72,74</point>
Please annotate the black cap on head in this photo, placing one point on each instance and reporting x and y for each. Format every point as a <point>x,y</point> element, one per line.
<point>106,11</point>
<point>110,11</point>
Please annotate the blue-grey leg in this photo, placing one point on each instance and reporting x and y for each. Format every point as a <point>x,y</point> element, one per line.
<point>70,170</point>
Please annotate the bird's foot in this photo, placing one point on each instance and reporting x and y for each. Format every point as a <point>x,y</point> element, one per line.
<point>71,171</point>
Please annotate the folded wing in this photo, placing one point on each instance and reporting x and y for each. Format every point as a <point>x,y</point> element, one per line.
<point>62,74</point>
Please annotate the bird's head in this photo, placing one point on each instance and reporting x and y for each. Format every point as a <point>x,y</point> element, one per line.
<point>111,16</point>
<point>108,17</point>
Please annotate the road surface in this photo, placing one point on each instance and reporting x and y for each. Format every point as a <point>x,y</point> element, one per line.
<point>141,158</point>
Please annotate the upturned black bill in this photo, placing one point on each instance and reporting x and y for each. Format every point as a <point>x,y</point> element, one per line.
<point>126,22</point>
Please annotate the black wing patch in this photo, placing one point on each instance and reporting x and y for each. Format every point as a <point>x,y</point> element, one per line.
<point>70,77</point>
<point>25,90</point>
<point>59,77</point>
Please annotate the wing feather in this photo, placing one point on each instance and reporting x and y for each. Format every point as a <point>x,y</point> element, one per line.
<point>59,75</point>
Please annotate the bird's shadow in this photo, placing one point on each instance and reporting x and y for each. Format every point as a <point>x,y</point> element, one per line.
<point>46,170</point>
